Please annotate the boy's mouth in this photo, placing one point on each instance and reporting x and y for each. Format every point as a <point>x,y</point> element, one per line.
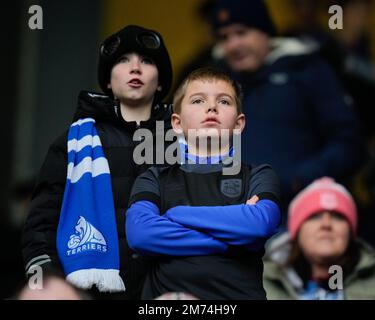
<point>211,120</point>
<point>135,83</point>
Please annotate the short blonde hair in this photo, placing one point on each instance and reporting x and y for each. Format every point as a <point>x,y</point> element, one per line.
<point>206,74</point>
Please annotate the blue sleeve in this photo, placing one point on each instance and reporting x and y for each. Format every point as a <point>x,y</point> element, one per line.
<point>338,125</point>
<point>151,234</point>
<point>235,225</point>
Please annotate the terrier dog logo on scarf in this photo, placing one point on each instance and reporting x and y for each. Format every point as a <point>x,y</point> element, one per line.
<point>86,238</point>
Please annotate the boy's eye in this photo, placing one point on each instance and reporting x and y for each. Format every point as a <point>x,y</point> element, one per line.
<point>224,101</point>
<point>123,59</point>
<point>197,101</point>
<point>147,61</point>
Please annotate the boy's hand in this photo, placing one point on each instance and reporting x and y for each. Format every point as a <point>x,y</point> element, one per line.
<point>252,200</point>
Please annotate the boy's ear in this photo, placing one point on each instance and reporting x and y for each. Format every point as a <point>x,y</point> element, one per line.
<point>176,123</point>
<point>159,88</point>
<point>109,86</point>
<point>240,122</point>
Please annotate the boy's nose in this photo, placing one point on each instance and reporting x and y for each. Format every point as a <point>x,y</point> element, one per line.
<point>212,109</point>
<point>135,66</point>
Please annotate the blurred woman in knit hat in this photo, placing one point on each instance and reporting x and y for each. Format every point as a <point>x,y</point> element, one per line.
<point>320,257</point>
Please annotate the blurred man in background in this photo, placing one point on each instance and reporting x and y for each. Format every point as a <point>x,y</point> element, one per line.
<point>298,119</point>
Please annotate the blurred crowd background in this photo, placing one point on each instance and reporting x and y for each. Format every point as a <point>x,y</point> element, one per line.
<point>45,70</point>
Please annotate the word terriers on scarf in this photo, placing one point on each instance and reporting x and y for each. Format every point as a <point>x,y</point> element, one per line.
<point>87,241</point>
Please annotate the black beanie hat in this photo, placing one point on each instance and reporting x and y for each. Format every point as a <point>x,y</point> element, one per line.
<point>140,40</point>
<point>252,13</point>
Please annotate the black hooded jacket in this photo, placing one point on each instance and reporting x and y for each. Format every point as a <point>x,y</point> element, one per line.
<point>116,135</point>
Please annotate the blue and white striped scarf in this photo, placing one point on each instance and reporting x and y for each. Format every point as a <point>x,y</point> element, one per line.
<point>87,241</point>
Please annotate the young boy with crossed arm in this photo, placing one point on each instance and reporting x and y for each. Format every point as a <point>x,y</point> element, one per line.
<point>204,230</point>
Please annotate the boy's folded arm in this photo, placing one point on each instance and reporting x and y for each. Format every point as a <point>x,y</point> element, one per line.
<point>149,233</point>
<point>234,224</point>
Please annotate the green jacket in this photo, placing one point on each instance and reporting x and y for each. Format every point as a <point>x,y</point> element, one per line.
<point>281,283</point>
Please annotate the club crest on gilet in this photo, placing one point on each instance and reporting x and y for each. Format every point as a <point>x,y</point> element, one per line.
<point>231,187</point>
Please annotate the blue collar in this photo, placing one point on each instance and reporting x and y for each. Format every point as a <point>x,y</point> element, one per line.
<point>188,158</point>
